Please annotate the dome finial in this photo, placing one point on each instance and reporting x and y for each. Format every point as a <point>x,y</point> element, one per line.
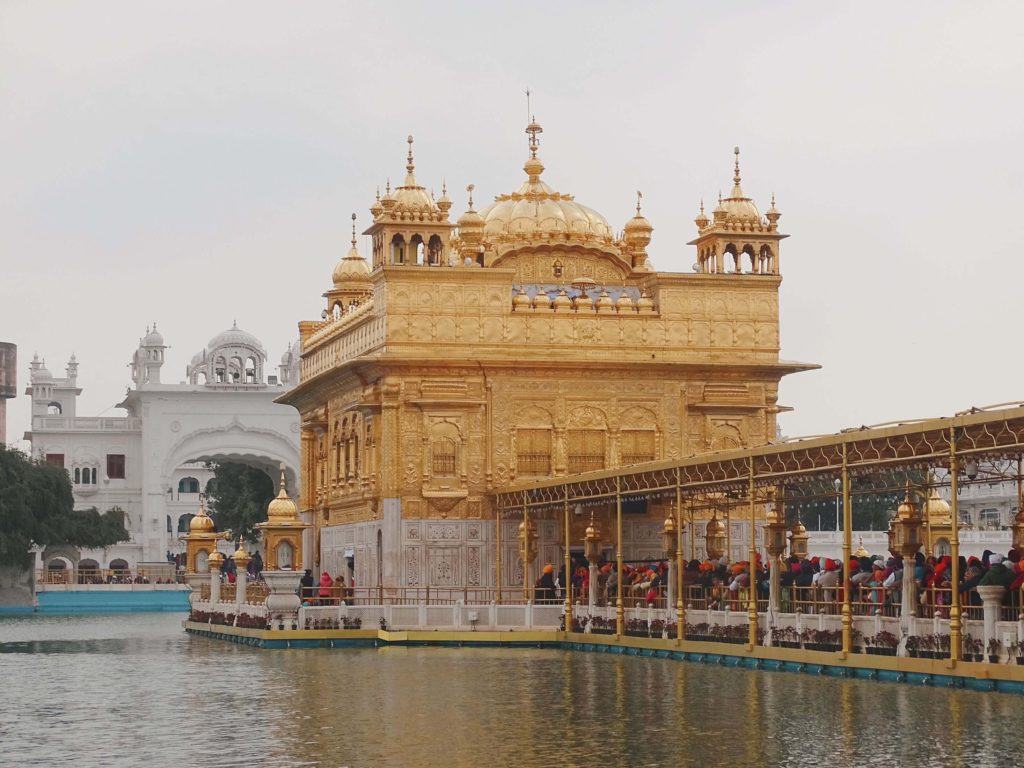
<point>409,164</point>
<point>736,174</point>
<point>469,189</point>
<point>639,197</point>
<point>282,488</point>
<point>353,230</point>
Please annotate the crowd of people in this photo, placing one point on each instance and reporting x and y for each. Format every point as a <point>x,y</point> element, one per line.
<point>330,590</point>
<point>876,581</point>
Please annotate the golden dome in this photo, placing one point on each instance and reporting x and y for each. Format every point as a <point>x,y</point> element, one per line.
<point>353,268</point>
<point>937,509</point>
<point>798,529</point>
<point>644,303</point>
<point>908,508</point>
<point>471,223</point>
<point>202,522</point>
<point>702,219</point>
<point>638,229</point>
<point>522,299</point>
<point>536,211</point>
<point>625,302</point>
<point>241,557</point>
<point>412,200</point>
<point>739,209</point>
<point>561,301</point>
<point>715,527</point>
<point>282,508</point>
<point>604,302</point>
<point>860,551</point>
<point>216,559</point>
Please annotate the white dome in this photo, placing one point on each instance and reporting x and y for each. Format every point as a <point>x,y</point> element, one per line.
<point>236,337</point>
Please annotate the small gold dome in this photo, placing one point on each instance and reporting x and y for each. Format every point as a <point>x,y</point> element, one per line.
<point>562,300</point>
<point>216,559</point>
<point>604,302</point>
<point>645,303</point>
<point>282,508</point>
<point>860,551</point>
<point>638,229</point>
<point>202,522</point>
<point>522,299</point>
<point>938,509</point>
<point>798,529</point>
<point>625,302</point>
<point>353,268</point>
<point>241,556</point>
<point>715,527</point>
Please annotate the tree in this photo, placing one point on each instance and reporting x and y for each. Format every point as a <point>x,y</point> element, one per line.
<point>37,508</point>
<point>238,498</point>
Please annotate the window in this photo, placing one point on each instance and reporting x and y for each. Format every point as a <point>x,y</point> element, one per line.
<point>444,456</point>
<point>54,409</point>
<point>55,459</point>
<point>533,451</point>
<point>78,475</point>
<point>989,518</point>
<point>115,466</point>
<point>637,446</point>
<point>188,485</point>
<point>586,450</point>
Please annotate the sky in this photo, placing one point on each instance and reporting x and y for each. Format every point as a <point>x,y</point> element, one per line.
<point>195,164</point>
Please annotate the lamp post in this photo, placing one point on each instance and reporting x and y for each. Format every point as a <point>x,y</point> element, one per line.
<point>798,540</point>
<point>714,537</point>
<point>669,539</point>
<point>592,550</point>
<point>905,541</point>
<point>775,546</point>
<point>838,485</point>
<point>527,549</point>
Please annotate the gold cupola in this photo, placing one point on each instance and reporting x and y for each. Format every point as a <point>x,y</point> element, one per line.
<point>351,278</point>
<point>637,236</point>
<point>201,542</point>
<point>536,214</point>
<point>202,522</point>
<point>282,531</point>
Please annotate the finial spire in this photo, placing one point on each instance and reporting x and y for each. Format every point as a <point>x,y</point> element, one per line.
<point>282,488</point>
<point>409,164</point>
<point>702,205</point>
<point>353,230</point>
<point>387,187</point>
<point>736,174</point>
<point>470,189</point>
<point>639,197</point>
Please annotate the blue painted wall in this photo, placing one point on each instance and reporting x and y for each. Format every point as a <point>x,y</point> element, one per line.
<point>112,602</point>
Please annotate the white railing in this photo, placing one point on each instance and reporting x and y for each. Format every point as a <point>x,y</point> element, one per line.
<point>459,616</point>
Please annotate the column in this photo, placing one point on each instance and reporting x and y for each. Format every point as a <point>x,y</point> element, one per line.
<point>992,600</point>
<point>567,586</point>
<point>954,608</point>
<point>241,582</point>
<point>752,564</point>
<point>847,610</point>
<point>619,613</point>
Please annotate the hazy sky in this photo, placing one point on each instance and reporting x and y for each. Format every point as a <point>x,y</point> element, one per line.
<point>194,163</point>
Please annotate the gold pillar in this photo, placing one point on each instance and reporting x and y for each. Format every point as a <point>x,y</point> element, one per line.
<point>954,546</point>
<point>926,509</point>
<point>497,554</point>
<point>567,587</point>
<point>619,613</point>
<point>847,619</point>
<point>752,565</point>
<point>680,617</point>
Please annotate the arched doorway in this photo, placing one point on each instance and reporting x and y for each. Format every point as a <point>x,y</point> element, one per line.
<point>89,572</point>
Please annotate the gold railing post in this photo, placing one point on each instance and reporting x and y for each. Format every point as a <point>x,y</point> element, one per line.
<point>954,546</point>
<point>567,587</point>
<point>847,620</point>
<point>680,618</point>
<point>752,565</point>
<point>619,614</point>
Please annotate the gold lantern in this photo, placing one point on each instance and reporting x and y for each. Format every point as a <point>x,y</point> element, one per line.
<point>528,541</point>
<point>668,536</point>
<point>1018,531</point>
<point>592,541</point>
<point>714,538</point>
<point>798,540</point>
<point>775,530</point>
<point>905,529</point>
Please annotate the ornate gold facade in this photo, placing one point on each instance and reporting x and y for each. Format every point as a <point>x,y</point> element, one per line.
<point>527,340</point>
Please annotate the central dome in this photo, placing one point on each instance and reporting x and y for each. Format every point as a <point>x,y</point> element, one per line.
<point>537,212</point>
<point>235,337</point>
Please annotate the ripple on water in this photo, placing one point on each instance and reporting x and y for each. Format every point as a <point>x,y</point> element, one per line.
<point>134,690</point>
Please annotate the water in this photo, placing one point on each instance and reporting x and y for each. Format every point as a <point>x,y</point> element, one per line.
<point>134,690</point>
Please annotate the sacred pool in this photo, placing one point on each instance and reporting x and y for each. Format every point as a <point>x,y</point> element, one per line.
<point>134,690</point>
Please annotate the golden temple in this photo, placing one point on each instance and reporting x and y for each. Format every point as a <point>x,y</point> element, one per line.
<point>524,341</point>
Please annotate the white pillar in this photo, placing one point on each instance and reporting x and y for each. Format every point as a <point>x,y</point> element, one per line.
<point>670,603</point>
<point>592,589</point>
<point>908,597</point>
<point>992,597</point>
<point>773,591</point>
<point>214,586</point>
<point>241,581</point>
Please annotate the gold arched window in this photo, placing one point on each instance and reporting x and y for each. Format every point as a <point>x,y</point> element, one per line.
<point>637,446</point>
<point>444,456</point>
<point>585,449</point>
<point>533,451</point>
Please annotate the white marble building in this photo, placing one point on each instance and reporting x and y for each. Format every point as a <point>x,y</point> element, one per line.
<point>151,462</point>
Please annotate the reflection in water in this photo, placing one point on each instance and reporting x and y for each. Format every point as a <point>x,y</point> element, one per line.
<point>135,690</point>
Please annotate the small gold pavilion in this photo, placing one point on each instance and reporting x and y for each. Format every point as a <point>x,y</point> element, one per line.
<point>526,340</point>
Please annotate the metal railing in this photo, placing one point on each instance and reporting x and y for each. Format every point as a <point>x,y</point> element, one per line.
<point>100,576</point>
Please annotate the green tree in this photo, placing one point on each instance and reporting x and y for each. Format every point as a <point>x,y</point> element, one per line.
<point>37,508</point>
<point>239,497</point>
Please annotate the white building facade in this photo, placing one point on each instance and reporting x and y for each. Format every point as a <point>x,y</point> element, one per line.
<point>152,461</point>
